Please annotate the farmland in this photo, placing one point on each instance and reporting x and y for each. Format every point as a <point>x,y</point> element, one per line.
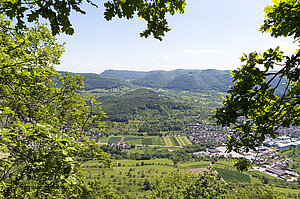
<point>229,175</point>
<point>129,177</point>
<point>149,140</point>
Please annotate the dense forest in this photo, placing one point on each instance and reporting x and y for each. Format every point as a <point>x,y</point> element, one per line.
<point>147,111</point>
<point>180,80</point>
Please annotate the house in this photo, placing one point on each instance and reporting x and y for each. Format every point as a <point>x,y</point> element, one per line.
<point>213,151</point>
<point>275,171</point>
<point>200,154</point>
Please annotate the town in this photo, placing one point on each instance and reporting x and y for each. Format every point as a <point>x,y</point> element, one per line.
<point>266,159</point>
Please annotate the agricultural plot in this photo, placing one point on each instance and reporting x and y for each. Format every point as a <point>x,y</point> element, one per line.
<point>114,140</point>
<point>180,141</point>
<point>168,141</point>
<point>104,140</point>
<point>131,138</point>
<point>128,176</point>
<point>147,141</point>
<point>160,141</point>
<point>153,141</point>
<point>193,165</point>
<point>229,175</point>
<point>185,141</point>
<point>174,141</point>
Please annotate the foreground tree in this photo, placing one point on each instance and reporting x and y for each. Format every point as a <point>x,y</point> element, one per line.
<point>57,12</point>
<point>253,109</point>
<point>253,191</point>
<point>44,120</point>
<point>187,185</point>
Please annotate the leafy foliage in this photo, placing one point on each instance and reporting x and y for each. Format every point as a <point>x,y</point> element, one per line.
<point>179,184</point>
<point>130,104</point>
<point>253,108</point>
<point>57,12</point>
<point>256,191</point>
<point>42,134</point>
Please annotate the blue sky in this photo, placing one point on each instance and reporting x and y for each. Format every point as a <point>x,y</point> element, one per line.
<point>210,34</point>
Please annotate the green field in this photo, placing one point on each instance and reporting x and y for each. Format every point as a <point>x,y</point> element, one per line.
<point>151,140</point>
<point>114,140</point>
<point>147,141</point>
<point>193,165</point>
<point>104,140</point>
<point>167,141</point>
<point>185,140</point>
<point>128,176</point>
<point>230,175</point>
<point>174,141</point>
<point>132,138</point>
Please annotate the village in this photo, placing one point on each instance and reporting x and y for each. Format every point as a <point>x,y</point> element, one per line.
<point>266,159</point>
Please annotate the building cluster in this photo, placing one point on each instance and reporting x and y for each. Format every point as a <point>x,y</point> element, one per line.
<point>283,142</point>
<point>270,161</point>
<point>201,133</point>
<point>281,171</point>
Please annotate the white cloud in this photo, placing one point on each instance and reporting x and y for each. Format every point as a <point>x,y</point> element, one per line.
<point>204,51</point>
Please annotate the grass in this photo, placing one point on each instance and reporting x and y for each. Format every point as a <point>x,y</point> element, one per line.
<point>287,191</point>
<point>130,176</point>
<point>224,164</point>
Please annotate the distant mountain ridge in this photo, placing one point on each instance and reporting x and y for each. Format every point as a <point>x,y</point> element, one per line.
<point>125,74</point>
<point>192,80</point>
<point>94,81</point>
<point>180,79</point>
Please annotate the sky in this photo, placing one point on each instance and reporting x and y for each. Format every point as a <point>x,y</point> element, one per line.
<point>211,34</point>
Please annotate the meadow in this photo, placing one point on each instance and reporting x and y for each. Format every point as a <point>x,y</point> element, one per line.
<point>130,176</point>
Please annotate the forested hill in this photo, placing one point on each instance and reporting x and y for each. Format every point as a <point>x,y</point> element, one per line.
<point>125,74</point>
<point>192,80</point>
<point>141,102</point>
<point>95,81</point>
<point>181,79</point>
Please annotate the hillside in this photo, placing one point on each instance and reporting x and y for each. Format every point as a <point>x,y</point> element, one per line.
<point>148,111</point>
<point>180,80</point>
<point>94,81</point>
<point>135,102</point>
<point>125,74</point>
<point>192,80</point>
